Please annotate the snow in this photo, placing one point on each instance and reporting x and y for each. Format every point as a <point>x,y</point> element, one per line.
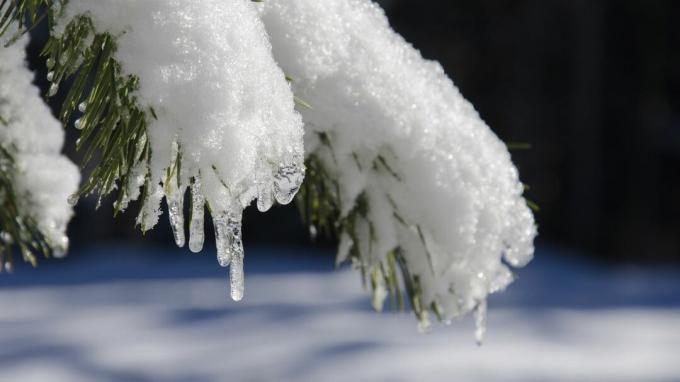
<point>223,105</point>
<point>440,185</point>
<point>117,313</point>
<point>43,178</point>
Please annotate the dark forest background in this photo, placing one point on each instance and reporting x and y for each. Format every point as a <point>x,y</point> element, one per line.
<point>592,85</point>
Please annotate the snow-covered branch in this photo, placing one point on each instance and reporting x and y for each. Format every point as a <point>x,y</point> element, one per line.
<point>35,179</point>
<point>419,180</point>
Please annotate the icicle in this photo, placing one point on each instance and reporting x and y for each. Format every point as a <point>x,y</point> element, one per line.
<point>196,233</point>
<point>236,278</point>
<point>176,213</point>
<point>230,249</point>
<point>480,322</point>
<point>222,240</point>
<point>53,90</point>
<point>265,199</point>
<point>287,182</point>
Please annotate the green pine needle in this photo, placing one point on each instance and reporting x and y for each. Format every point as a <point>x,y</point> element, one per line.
<point>113,126</point>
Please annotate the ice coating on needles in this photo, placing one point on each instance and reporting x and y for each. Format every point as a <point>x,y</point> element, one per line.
<point>43,177</point>
<point>226,127</point>
<point>440,185</point>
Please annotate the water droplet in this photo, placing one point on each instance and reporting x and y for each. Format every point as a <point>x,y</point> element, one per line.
<point>9,267</point>
<point>265,200</point>
<point>480,322</point>
<point>287,182</point>
<point>82,107</point>
<point>6,237</point>
<point>50,63</point>
<point>50,75</point>
<point>176,215</point>
<point>79,124</point>
<point>196,232</point>
<point>52,90</point>
<point>313,232</point>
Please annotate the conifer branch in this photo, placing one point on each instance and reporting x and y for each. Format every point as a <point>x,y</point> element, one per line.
<point>113,126</point>
<point>319,206</point>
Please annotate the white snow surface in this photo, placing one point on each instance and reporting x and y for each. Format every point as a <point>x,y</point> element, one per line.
<point>206,69</point>
<point>44,178</point>
<point>96,321</point>
<point>404,137</point>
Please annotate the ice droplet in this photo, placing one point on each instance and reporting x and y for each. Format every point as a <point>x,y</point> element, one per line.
<point>50,75</point>
<point>8,267</point>
<point>480,322</point>
<point>53,90</point>
<point>287,182</point>
<point>73,199</point>
<point>78,124</point>
<point>176,215</point>
<point>60,248</point>
<point>265,200</point>
<point>6,237</point>
<point>196,232</point>
<point>82,107</point>
<point>50,63</point>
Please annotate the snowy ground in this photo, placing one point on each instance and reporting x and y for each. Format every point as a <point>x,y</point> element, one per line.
<point>134,314</point>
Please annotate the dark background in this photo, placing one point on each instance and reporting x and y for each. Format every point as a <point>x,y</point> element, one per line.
<point>590,84</point>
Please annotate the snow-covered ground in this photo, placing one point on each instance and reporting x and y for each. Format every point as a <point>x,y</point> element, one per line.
<point>136,314</point>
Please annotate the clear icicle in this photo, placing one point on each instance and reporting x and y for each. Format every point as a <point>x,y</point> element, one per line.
<point>236,278</point>
<point>230,249</point>
<point>222,240</point>
<point>196,232</point>
<point>287,182</point>
<point>265,200</point>
<point>176,215</point>
<point>480,322</point>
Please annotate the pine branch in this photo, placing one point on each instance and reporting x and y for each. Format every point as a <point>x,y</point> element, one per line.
<point>319,206</point>
<point>113,126</point>
<point>25,15</point>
